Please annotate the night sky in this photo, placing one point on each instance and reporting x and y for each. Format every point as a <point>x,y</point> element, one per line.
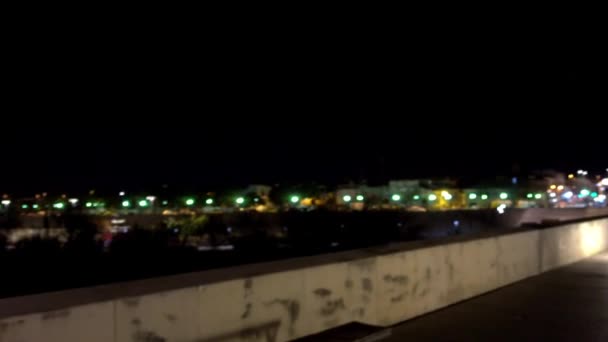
<point>136,113</point>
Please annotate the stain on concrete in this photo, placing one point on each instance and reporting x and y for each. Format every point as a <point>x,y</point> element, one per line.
<point>131,302</point>
<point>170,317</point>
<point>332,306</point>
<point>148,336</point>
<point>424,292</point>
<point>451,271</point>
<point>293,311</point>
<point>247,311</point>
<point>366,299</point>
<point>358,312</point>
<point>398,279</point>
<point>348,283</point>
<point>365,264</point>
<point>55,314</point>
<point>322,292</point>
<point>367,284</point>
<point>136,321</point>
<point>428,273</point>
<point>415,288</point>
<point>331,323</point>
<point>398,298</point>
<point>248,283</point>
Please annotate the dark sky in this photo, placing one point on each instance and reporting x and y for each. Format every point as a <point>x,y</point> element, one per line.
<point>230,109</point>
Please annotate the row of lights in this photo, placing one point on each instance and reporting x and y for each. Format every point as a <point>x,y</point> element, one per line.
<point>432,197</point>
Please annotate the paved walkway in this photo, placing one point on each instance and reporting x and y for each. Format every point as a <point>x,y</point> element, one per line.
<point>567,304</point>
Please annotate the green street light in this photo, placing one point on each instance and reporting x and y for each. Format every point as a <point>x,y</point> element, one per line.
<point>58,205</point>
<point>396,197</point>
<point>484,197</point>
<point>530,195</point>
<point>294,199</point>
<point>347,198</point>
<point>594,194</point>
<point>35,206</point>
<point>209,201</point>
<point>126,204</point>
<point>360,198</point>
<point>165,202</point>
<point>24,206</point>
<point>472,196</point>
<point>503,195</point>
<point>88,204</point>
<point>240,200</point>
<point>416,197</point>
<point>143,203</point>
<point>538,196</point>
<point>190,201</point>
<point>432,197</point>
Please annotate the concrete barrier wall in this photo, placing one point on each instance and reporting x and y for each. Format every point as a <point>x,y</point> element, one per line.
<point>381,287</point>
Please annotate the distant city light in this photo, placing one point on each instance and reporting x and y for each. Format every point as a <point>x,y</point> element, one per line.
<point>88,204</point>
<point>165,202</point>
<point>416,197</point>
<point>396,197</point>
<point>601,198</point>
<point>568,194</point>
<point>585,193</point>
<point>503,195</point>
<point>570,176</point>
<point>73,201</point>
<point>501,208</point>
<point>432,197</point>
<point>553,186</point>
<point>472,196</point>
<point>58,205</point>
<point>552,194</point>
<point>484,197</point>
<point>360,198</point>
<point>240,200</point>
<point>538,196</point>
<point>346,198</point>
<point>446,195</point>
<point>530,195</point>
<point>604,182</point>
<point>126,204</point>
<point>151,198</point>
<point>294,199</point>
<point>24,206</point>
<point>143,203</point>
<point>35,206</point>
<point>190,201</point>
<point>209,201</point>
<point>560,187</point>
<point>6,202</point>
<point>594,194</point>
<point>122,193</point>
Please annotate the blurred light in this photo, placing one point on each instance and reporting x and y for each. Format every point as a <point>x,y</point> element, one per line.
<point>24,206</point>
<point>6,202</point>
<point>472,196</point>
<point>514,180</point>
<point>604,182</point>
<point>600,198</point>
<point>35,206</point>
<point>570,176</point>
<point>190,201</point>
<point>209,201</point>
<point>143,203</point>
<point>529,195</point>
<point>503,195</point>
<point>446,195</point>
<point>294,199</point>
<point>58,205</point>
<point>240,200</point>
<point>88,204</point>
<point>73,201</point>
<point>501,208</point>
<point>165,202</point>
<point>538,196</point>
<point>553,186</point>
<point>579,172</point>
<point>484,197</point>
<point>456,223</point>
<point>360,198</point>
<point>585,193</point>
<point>346,198</point>
<point>396,197</point>
<point>416,197</point>
<point>122,193</point>
<point>560,187</point>
<point>568,194</point>
<point>151,198</point>
<point>553,194</point>
<point>432,197</point>
<point>126,204</point>
<point>594,194</point>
